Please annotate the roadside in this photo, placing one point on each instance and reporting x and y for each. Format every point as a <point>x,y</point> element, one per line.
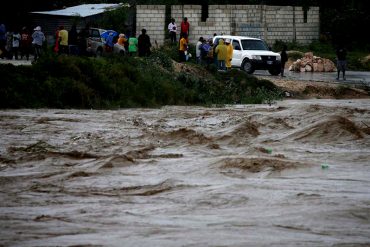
<point>352,77</point>
<point>321,85</point>
<point>17,62</point>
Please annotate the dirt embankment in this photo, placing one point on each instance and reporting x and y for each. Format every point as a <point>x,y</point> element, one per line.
<point>321,90</point>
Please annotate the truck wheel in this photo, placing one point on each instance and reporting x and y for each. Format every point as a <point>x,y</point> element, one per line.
<point>274,71</point>
<point>99,52</point>
<point>248,67</point>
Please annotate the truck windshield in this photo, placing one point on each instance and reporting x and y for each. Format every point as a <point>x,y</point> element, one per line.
<point>249,44</point>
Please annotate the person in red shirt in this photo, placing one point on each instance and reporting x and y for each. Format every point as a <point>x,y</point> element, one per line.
<point>185,28</point>
<point>26,43</point>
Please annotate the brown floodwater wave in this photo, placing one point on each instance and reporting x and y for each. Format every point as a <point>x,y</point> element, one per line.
<point>292,174</point>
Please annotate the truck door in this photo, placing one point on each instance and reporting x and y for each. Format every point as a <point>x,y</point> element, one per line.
<point>237,54</point>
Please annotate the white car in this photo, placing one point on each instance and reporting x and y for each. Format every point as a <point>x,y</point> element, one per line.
<point>252,54</point>
<point>95,43</point>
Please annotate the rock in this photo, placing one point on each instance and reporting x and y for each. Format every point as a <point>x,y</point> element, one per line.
<point>329,66</point>
<point>315,67</point>
<point>308,68</point>
<point>311,63</point>
<point>320,67</point>
<point>308,55</point>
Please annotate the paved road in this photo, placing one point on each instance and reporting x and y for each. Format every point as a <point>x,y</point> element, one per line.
<point>352,77</point>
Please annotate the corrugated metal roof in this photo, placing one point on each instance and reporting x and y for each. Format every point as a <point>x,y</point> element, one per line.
<point>81,10</point>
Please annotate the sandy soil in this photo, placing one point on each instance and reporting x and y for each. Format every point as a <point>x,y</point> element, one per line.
<point>292,174</point>
<point>315,89</point>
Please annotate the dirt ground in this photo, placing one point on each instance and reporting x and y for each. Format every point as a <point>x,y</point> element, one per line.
<point>321,90</point>
<point>292,174</point>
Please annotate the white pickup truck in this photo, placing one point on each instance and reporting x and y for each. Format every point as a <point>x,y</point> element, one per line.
<point>252,54</point>
<point>95,43</point>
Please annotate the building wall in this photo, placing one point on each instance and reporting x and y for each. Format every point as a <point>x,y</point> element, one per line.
<point>152,18</point>
<point>261,21</point>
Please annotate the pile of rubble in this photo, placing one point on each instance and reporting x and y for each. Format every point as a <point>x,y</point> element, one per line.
<point>311,63</point>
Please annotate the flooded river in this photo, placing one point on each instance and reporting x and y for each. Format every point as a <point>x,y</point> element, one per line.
<point>292,174</point>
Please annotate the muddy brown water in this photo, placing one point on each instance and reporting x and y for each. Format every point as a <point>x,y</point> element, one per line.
<point>292,174</point>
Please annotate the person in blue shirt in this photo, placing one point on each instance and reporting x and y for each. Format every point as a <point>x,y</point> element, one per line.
<point>109,43</point>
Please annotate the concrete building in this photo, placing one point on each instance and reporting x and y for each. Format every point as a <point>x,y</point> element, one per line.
<point>271,23</point>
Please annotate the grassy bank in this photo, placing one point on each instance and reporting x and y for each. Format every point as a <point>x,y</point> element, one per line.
<point>119,82</point>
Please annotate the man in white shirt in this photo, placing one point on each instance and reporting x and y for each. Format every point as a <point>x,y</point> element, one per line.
<point>172,28</point>
<point>197,49</point>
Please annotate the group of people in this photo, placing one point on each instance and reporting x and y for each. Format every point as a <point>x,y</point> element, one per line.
<point>67,42</point>
<point>184,29</point>
<point>136,46</point>
<point>19,44</point>
<point>219,53</point>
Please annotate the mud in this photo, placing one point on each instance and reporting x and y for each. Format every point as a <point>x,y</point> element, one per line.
<point>292,174</point>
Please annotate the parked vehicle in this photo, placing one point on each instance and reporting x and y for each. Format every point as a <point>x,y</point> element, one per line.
<point>252,54</point>
<point>96,43</point>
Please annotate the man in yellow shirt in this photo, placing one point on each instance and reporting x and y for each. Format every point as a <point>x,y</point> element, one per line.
<point>230,51</point>
<point>63,40</point>
<point>183,47</point>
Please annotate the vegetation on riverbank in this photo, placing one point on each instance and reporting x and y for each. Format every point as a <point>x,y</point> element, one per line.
<point>118,82</point>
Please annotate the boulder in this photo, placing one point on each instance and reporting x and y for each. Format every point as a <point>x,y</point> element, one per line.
<point>320,67</point>
<point>308,68</point>
<point>311,63</point>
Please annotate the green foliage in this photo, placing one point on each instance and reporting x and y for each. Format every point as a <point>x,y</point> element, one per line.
<point>171,50</point>
<point>123,81</point>
<point>162,59</point>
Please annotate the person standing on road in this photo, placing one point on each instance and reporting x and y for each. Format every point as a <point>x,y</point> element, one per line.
<point>57,41</point>
<point>221,51</point>
<point>63,38</point>
<point>185,29</point>
<point>230,51</point>
<point>198,50</point>
<point>72,40</point>
<point>38,38</point>
<point>132,45</point>
<point>16,43</point>
<point>284,59</point>
<point>341,61</point>
<point>172,28</point>
<point>109,45</point>
<point>183,48</point>
<point>144,44</point>
<point>26,43</point>
<point>82,40</point>
<point>9,44</point>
